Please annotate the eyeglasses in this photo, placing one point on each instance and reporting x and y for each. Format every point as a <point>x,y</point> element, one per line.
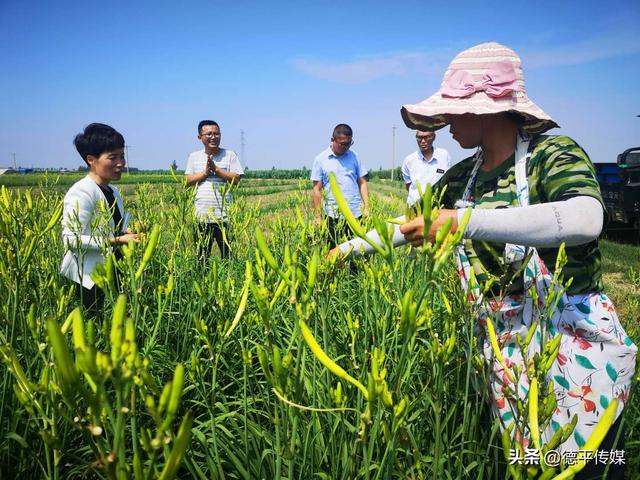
<point>344,144</point>
<point>424,139</point>
<point>210,134</point>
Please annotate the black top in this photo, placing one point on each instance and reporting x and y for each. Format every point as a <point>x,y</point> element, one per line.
<point>115,215</point>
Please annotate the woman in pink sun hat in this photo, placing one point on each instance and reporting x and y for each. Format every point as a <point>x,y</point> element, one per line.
<point>529,193</point>
<point>483,80</point>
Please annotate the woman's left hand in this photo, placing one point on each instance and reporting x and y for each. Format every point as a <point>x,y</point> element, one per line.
<point>413,230</point>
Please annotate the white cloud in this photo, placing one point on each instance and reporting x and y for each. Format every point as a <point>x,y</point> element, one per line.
<point>365,69</point>
<point>373,67</point>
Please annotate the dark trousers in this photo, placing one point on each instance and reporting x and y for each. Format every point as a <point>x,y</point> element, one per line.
<point>92,300</point>
<point>207,234</point>
<point>339,231</point>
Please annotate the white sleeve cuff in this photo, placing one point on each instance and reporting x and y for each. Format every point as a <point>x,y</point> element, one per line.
<point>359,246</point>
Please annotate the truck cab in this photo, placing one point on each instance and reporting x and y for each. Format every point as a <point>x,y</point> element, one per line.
<point>620,186</point>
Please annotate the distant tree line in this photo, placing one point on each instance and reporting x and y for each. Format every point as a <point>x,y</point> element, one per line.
<point>278,173</point>
<point>273,172</point>
<point>305,173</point>
<point>386,174</point>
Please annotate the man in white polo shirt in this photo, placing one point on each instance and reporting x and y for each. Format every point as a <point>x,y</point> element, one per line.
<point>213,170</point>
<point>426,165</point>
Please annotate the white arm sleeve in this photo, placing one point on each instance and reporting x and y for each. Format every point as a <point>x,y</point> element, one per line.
<point>575,221</point>
<point>358,246</point>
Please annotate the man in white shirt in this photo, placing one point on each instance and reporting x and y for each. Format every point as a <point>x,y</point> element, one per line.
<point>213,170</point>
<point>426,165</point>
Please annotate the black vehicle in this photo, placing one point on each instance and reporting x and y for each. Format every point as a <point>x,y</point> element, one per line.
<point>620,185</point>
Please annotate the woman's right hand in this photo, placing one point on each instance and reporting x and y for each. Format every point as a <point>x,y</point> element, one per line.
<point>413,231</point>
<point>125,238</point>
<point>334,254</point>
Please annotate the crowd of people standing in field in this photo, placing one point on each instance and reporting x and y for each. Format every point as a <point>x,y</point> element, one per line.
<point>529,193</point>
<point>209,170</point>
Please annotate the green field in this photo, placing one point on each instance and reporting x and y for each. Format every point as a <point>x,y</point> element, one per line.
<point>58,180</point>
<point>272,364</point>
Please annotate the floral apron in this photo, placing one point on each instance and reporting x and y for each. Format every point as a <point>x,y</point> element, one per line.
<point>596,360</point>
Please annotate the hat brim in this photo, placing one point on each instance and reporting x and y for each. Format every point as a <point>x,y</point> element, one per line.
<point>429,114</point>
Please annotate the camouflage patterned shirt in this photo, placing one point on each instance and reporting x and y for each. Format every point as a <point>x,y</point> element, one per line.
<point>557,170</point>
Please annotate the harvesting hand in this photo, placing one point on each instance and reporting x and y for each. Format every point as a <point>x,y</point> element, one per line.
<point>336,258</point>
<point>334,254</point>
<point>413,231</point>
<point>125,238</point>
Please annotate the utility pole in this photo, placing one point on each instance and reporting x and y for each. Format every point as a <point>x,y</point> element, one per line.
<point>126,156</point>
<point>15,167</point>
<point>393,152</point>
<point>242,157</point>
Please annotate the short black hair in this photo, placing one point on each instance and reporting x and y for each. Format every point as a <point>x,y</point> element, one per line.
<point>206,122</point>
<point>97,139</point>
<point>425,131</point>
<point>342,129</point>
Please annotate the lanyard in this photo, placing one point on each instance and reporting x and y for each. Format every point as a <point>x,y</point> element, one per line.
<point>522,155</point>
<point>466,201</point>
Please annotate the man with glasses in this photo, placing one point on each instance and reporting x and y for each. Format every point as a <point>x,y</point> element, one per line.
<point>350,174</point>
<point>214,170</point>
<point>425,165</point>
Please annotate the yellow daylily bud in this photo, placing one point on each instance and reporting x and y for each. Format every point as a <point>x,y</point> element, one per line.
<point>67,373</point>
<point>534,426</point>
<point>313,269</point>
<point>266,253</point>
<point>149,251</point>
<point>54,220</point>
<point>530,332</point>
<point>79,340</point>
<point>176,390</point>
<point>180,446</point>
<point>243,299</point>
<point>164,398</point>
<point>326,361</point>
<point>117,328</point>
<point>496,349</point>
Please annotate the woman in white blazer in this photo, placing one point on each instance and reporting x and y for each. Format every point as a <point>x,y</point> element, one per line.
<point>94,223</point>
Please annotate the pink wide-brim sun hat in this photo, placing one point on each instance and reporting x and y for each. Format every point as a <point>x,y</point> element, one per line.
<point>482,80</point>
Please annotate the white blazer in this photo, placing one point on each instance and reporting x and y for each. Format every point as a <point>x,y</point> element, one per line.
<point>87,227</point>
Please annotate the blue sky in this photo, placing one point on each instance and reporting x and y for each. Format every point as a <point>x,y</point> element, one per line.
<point>287,72</point>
